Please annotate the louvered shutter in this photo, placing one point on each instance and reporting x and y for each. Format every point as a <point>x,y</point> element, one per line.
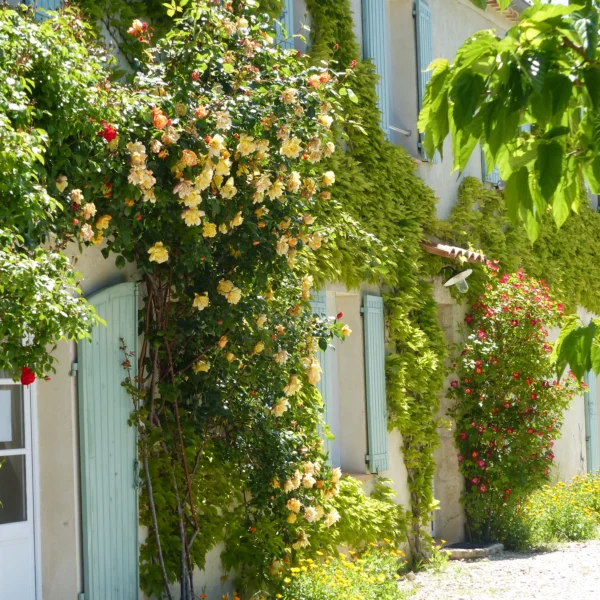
<point>424,34</point>
<point>109,451</point>
<point>377,435</point>
<point>375,47</point>
<point>591,424</point>
<point>286,18</point>
<point>319,307</point>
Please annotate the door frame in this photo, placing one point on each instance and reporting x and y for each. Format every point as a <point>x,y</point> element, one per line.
<point>30,409</point>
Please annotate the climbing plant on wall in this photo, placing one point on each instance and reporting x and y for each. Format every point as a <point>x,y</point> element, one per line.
<point>559,256</point>
<point>377,184</point>
<point>509,408</point>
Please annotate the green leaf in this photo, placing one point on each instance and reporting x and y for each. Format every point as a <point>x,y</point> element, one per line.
<point>517,193</point>
<point>591,78</point>
<point>560,208</point>
<point>466,95</point>
<point>549,166</point>
<point>353,97</point>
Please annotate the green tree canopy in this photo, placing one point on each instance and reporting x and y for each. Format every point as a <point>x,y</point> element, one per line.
<point>531,99</point>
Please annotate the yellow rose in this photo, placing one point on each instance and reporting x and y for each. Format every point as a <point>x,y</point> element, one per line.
<point>328,178</point>
<point>222,341</point>
<point>293,387</point>
<point>260,321</point>
<point>234,296</point>
<point>192,216</point>
<point>103,222</point>
<point>158,253</point>
<point>237,220</point>
<point>61,183</point>
<point>325,120</point>
<point>294,505</point>
<point>209,230</point>
<point>314,372</point>
<point>276,190</point>
<point>76,196</point>
<point>88,210</point>
<point>246,145</point>
<point>346,330</point>
<point>291,148</point>
<point>279,408</point>
<point>229,190</point>
<point>288,95</point>
<point>201,366</point>
<point>189,158</point>
<point>200,301</point>
<point>258,348</point>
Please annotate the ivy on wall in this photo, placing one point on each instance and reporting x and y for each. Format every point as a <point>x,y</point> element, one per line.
<point>568,258</point>
<point>377,184</point>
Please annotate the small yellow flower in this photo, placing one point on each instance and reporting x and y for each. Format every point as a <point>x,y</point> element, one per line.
<point>209,230</point>
<point>158,253</point>
<point>201,301</point>
<point>201,366</point>
<point>61,183</point>
<point>103,222</point>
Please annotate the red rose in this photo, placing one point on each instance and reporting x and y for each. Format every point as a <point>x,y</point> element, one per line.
<point>27,376</point>
<point>507,405</point>
<point>474,454</point>
<point>480,430</point>
<point>195,76</point>
<point>353,63</point>
<point>514,323</point>
<point>454,384</point>
<point>483,488</point>
<point>336,47</point>
<point>530,431</point>
<point>460,458</point>
<point>508,491</point>
<point>339,316</point>
<point>516,375</point>
<point>560,308</point>
<point>468,391</point>
<point>481,334</point>
<point>469,319</point>
<point>463,435</point>
<point>481,463</point>
<point>475,480</point>
<point>108,132</point>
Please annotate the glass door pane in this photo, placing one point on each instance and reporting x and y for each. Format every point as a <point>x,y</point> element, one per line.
<point>13,494</point>
<point>12,432</point>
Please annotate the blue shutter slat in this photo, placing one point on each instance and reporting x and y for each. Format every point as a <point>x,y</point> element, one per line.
<point>319,307</point>
<point>591,424</point>
<point>287,20</point>
<point>109,451</point>
<point>375,47</point>
<point>375,375</point>
<point>424,34</point>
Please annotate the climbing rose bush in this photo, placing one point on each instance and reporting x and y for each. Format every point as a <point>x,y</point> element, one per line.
<point>207,175</point>
<point>509,406</point>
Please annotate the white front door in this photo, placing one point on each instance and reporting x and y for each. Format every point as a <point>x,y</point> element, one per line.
<point>17,548</point>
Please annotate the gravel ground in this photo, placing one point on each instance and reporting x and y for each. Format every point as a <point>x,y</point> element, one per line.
<point>571,572</point>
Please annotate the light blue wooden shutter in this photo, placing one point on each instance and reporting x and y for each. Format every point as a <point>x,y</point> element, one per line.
<point>375,47</point>
<point>319,307</point>
<point>424,34</point>
<point>375,375</point>
<point>287,20</point>
<point>492,177</point>
<point>591,424</point>
<point>109,451</point>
